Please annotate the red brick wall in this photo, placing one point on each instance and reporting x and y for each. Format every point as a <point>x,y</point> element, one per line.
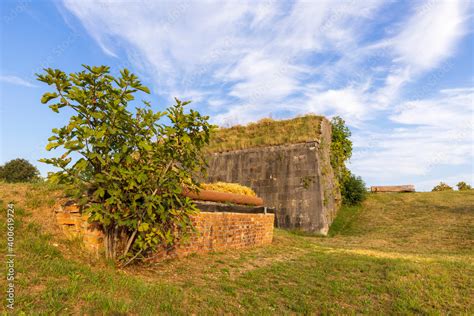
<point>222,231</point>
<point>216,231</point>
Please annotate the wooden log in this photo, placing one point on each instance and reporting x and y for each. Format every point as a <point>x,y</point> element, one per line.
<point>393,188</point>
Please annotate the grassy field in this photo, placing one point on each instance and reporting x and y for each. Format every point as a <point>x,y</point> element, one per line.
<point>399,254</point>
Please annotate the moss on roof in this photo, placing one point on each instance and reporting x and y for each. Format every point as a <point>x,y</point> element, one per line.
<point>266,132</point>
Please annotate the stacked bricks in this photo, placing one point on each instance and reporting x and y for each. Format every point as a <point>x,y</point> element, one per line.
<point>76,225</point>
<point>215,231</point>
<point>218,231</point>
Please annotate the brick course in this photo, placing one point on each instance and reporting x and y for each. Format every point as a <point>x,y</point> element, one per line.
<point>216,231</point>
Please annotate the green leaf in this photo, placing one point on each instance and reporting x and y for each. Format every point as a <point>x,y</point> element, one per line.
<point>143,227</point>
<point>100,192</point>
<point>143,88</point>
<point>48,96</point>
<point>54,107</point>
<point>80,165</point>
<point>52,145</point>
<point>97,115</point>
<point>146,146</point>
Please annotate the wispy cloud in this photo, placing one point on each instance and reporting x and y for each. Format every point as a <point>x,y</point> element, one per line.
<point>16,81</point>
<point>246,60</point>
<point>256,56</point>
<point>431,134</point>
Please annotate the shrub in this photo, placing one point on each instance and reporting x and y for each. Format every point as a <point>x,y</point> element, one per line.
<point>463,186</point>
<point>130,168</point>
<point>228,187</point>
<point>19,170</point>
<point>353,190</point>
<point>442,187</point>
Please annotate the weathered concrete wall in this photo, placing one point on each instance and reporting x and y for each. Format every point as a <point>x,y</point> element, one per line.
<point>296,179</point>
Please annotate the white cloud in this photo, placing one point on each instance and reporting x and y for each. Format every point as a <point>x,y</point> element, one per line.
<point>16,81</point>
<point>435,132</point>
<point>257,52</point>
<point>431,34</point>
<point>449,110</point>
<point>349,102</point>
<point>421,43</point>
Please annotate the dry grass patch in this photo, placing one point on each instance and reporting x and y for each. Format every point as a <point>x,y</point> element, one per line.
<point>229,188</point>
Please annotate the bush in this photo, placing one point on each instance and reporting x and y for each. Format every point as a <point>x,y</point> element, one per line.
<point>19,170</point>
<point>442,187</point>
<point>353,190</point>
<point>130,169</point>
<point>463,186</point>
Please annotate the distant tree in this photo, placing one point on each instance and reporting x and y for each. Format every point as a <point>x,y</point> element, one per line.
<point>19,170</point>
<point>463,186</point>
<point>442,187</point>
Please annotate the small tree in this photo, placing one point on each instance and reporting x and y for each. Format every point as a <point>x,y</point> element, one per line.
<point>353,189</point>
<point>463,186</point>
<point>19,170</point>
<point>341,148</point>
<point>442,187</point>
<point>131,169</point>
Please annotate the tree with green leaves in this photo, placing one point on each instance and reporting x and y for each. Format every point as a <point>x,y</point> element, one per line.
<point>341,148</point>
<point>463,186</point>
<point>128,170</point>
<point>442,187</point>
<point>353,189</point>
<point>19,170</point>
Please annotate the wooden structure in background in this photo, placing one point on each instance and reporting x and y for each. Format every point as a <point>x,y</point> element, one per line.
<point>393,188</point>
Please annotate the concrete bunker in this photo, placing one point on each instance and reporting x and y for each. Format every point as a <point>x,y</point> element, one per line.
<point>287,163</point>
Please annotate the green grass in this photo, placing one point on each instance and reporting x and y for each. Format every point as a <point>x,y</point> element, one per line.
<point>266,132</point>
<point>397,254</point>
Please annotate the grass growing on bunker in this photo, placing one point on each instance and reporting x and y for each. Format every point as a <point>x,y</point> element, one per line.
<point>228,188</point>
<point>398,254</point>
<point>266,132</point>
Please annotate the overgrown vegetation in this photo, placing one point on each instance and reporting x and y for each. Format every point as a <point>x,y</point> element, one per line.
<point>442,187</point>
<point>352,188</point>
<point>19,170</point>
<point>266,132</point>
<point>229,188</point>
<point>391,255</point>
<point>131,169</point>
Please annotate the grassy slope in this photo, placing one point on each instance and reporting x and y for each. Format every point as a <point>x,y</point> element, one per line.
<point>401,253</point>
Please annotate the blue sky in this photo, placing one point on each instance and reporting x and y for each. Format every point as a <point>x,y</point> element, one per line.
<point>400,72</point>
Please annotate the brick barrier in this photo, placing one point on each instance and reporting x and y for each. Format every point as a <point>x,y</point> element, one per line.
<point>216,231</point>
